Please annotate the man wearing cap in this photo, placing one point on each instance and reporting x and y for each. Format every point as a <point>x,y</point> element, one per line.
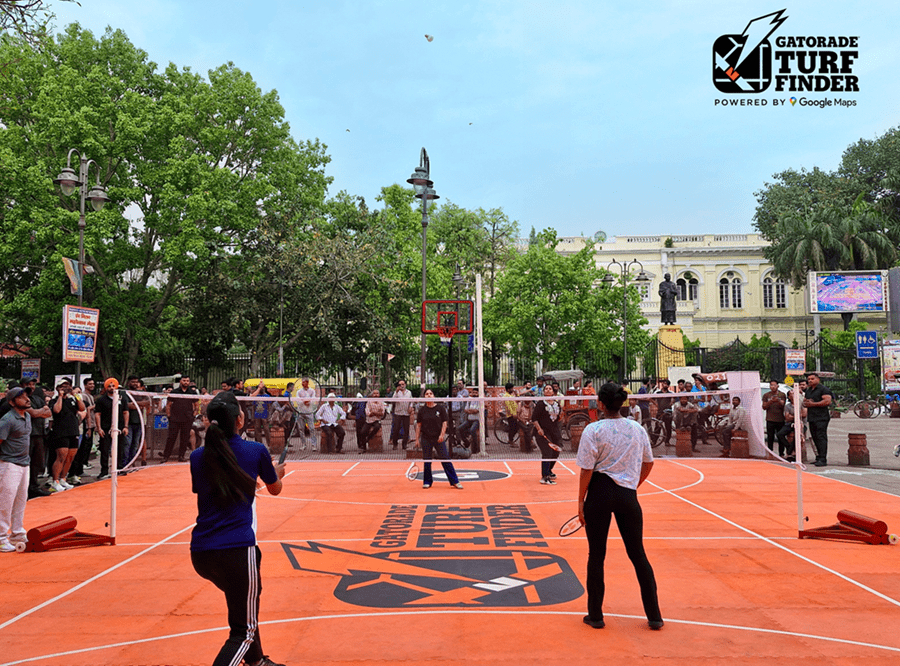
<point>330,416</point>
<point>103,410</point>
<point>68,410</point>
<point>15,435</point>
<point>39,414</point>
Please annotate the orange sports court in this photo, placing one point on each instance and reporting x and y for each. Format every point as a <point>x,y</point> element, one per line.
<point>361,566</point>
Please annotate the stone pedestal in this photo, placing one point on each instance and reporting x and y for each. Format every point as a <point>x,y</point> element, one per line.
<point>670,351</point>
<point>276,440</point>
<point>858,452</point>
<point>683,443</point>
<point>740,444</point>
<point>376,442</point>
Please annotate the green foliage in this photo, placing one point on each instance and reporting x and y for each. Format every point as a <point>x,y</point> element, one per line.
<point>550,307</point>
<point>197,164</point>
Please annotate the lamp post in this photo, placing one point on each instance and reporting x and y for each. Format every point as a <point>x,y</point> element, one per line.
<point>608,281</point>
<point>424,191</point>
<point>68,182</point>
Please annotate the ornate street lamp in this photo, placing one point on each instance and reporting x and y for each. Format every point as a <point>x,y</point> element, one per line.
<point>68,182</point>
<point>608,280</point>
<point>422,184</point>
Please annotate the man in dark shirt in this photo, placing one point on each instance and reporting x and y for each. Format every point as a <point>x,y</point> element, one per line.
<point>773,403</point>
<point>39,414</point>
<point>135,431</point>
<point>103,410</point>
<point>180,412</point>
<point>818,409</point>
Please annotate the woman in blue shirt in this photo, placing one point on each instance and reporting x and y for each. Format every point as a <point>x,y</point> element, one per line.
<point>223,543</point>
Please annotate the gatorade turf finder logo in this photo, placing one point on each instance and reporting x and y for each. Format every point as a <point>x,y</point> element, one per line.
<point>743,63</point>
<point>442,555</point>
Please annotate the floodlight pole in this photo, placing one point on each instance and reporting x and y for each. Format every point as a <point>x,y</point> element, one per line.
<point>641,277</point>
<point>420,180</point>
<point>68,182</point>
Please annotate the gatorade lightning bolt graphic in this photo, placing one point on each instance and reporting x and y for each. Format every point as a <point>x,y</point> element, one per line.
<point>743,63</point>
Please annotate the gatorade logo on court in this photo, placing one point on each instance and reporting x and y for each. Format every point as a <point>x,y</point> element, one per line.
<point>489,556</point>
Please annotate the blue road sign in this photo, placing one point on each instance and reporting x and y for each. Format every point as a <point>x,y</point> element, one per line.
<point>866,344</point>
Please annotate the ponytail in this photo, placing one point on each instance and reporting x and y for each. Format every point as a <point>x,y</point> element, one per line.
<point>229,482</point>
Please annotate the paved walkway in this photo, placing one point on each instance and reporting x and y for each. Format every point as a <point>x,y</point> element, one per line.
<point>882,434</point>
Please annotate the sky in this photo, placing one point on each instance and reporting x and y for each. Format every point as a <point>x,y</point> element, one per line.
<point>577,116</point>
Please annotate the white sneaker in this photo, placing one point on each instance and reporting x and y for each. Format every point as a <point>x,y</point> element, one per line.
<point>897,451</point>
<point>7,547</point>
<point>65,484</point>
<point>74,480</point>
<point>57,486</point>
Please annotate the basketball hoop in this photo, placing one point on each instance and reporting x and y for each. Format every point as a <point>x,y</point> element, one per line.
<point>446,334</point>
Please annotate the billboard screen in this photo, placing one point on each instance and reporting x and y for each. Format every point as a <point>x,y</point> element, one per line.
<point>848,291</point>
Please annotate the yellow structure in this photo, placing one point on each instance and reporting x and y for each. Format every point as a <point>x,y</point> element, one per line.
<point>725,284</point>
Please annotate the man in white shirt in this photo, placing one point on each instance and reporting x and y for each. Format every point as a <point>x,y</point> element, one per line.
<point>402,408</point>
<point>737,420</point>
<point>305,404</point>
<point>330,415</point>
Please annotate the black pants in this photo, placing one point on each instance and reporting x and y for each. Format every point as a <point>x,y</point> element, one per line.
<point>606,498</point>
<point>83,455</point>
<point>548,455</point>
<point>38,462</point>
<point>772,428</point>
<point>818,430</point>
<point>235,571</point>
<point>176,429</point>
<point>784,446</point>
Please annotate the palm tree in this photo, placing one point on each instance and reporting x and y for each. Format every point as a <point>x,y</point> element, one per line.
<point>830,239</point>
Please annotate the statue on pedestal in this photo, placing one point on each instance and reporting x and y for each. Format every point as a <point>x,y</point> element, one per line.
<point>667,295</point>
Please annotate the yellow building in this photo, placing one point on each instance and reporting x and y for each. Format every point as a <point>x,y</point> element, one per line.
<point>726,288</point>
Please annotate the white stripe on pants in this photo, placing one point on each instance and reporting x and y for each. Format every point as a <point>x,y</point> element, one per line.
<point>13,495</point>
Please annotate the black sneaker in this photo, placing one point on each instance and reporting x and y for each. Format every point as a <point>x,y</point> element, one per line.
<point>265,661</point>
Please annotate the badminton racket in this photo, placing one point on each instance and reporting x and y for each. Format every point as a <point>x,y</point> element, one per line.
<point>571,526</point>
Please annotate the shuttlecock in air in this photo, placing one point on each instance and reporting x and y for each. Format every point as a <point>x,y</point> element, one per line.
<point>430,38</point>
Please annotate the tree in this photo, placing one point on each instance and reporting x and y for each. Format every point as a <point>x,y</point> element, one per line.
<point>828,239</point>
<point>550,307</point>
<point>477,241</point>
<point>27,19</point>
<point>199,164</point>
<point>798,193</point>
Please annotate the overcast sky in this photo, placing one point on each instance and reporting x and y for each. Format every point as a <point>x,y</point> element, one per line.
<point>580,116</point>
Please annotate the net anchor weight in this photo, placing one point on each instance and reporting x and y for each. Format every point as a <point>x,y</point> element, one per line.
<point>852,526</point>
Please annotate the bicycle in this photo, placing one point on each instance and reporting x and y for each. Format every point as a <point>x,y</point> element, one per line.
<point>873,407</point>
<point>501,431</point>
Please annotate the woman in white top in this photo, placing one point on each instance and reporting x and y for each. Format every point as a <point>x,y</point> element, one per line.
<point>614,457</point>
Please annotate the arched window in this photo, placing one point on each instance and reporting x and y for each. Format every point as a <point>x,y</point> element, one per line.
<point>724,300</point>
<point>688,288</point>
<point>731,291</point>
<point>774,293</point>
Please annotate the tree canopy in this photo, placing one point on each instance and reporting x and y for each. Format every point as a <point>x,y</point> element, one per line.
<point>192,167</point>
<point>550,307</point>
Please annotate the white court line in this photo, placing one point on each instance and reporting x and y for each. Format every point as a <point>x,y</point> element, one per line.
<point>516,612</point>
<point>508,468</point>
<point>778,545</point>
<point>563,465</point>
<point>93,578</point>
<point>351,468</point>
